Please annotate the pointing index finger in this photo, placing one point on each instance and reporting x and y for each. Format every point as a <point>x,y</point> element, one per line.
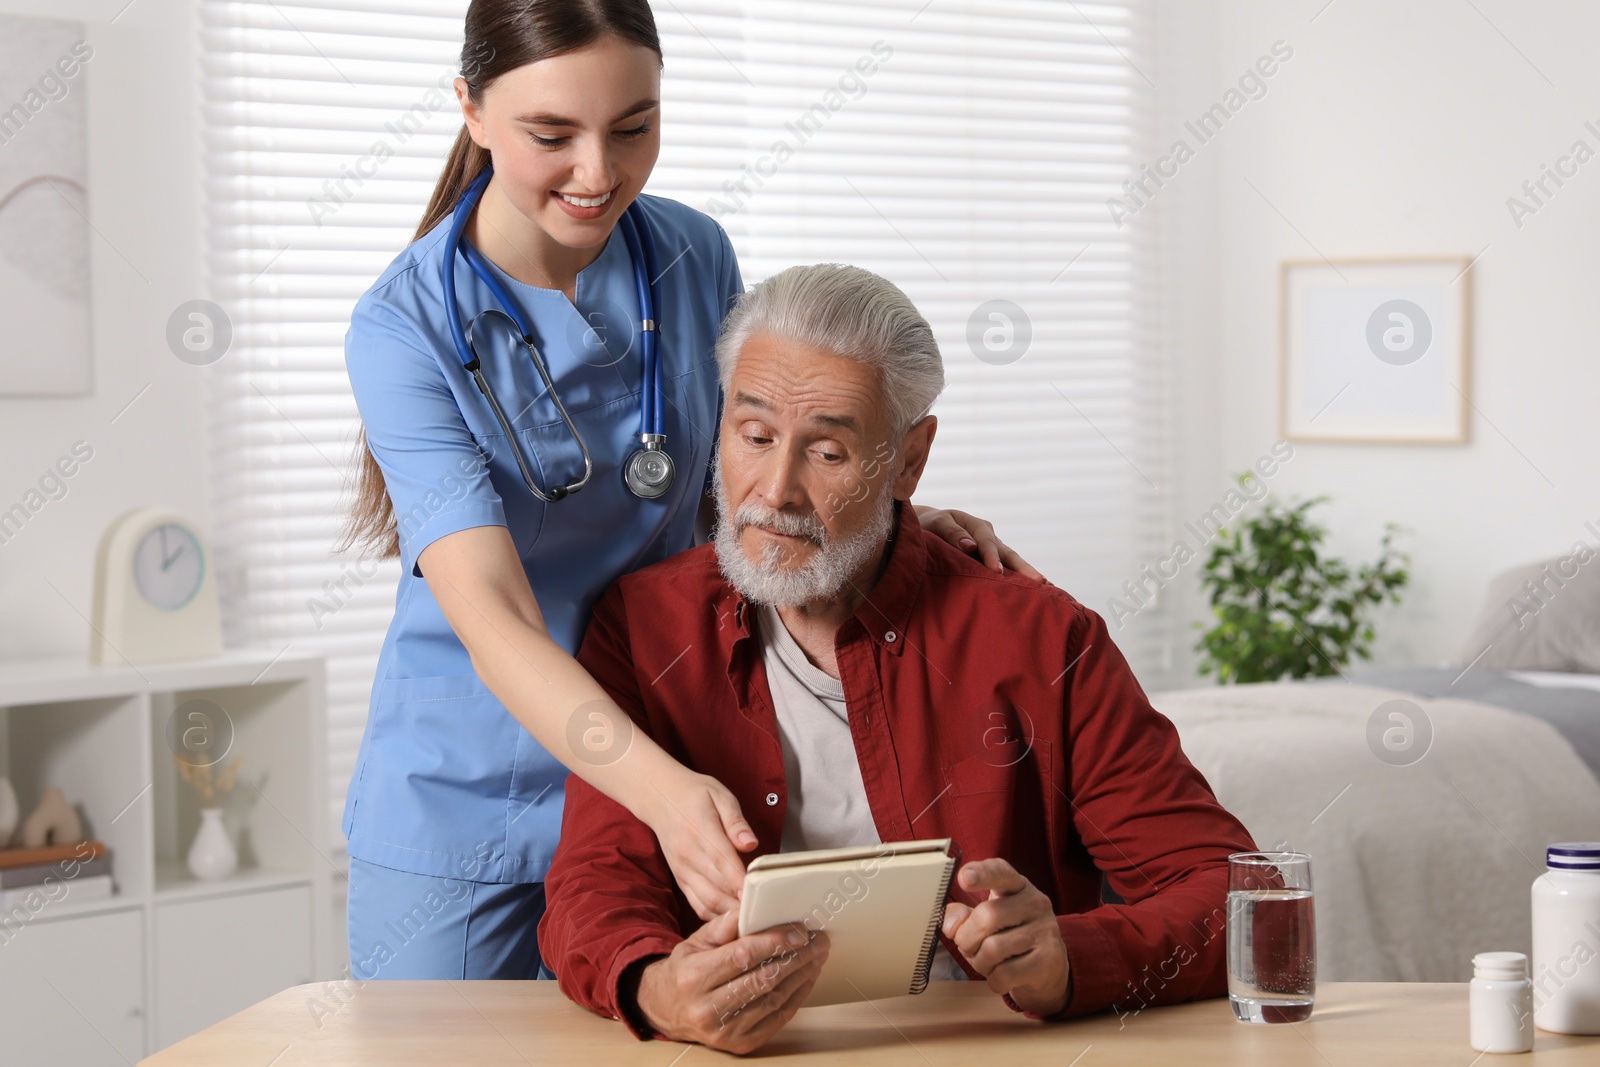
<point>992,874</point>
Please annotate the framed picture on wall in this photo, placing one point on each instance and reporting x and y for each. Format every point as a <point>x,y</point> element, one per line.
<point>1375,350</point>
<point>44,209</point>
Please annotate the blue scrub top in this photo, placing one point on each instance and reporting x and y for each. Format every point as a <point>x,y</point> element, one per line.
<point>447,781</point>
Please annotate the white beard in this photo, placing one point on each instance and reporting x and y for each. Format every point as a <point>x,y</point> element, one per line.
<point>824,577</point>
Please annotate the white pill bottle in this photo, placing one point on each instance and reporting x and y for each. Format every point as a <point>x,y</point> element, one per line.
<point>1566,940</point>
<point>1500,1003</point>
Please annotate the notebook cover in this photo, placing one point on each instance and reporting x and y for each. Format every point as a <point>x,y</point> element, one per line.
<point>880,906</point>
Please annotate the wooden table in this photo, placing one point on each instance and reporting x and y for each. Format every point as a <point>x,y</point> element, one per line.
<point>489,1024</point>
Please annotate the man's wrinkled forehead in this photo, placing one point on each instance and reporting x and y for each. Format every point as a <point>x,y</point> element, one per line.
<point>832,420</point>
<point>789,381</point>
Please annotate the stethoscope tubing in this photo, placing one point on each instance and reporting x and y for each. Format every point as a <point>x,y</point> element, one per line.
<point>641,250</point>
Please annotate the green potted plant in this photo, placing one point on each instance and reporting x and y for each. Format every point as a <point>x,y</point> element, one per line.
<point>1282,609</point>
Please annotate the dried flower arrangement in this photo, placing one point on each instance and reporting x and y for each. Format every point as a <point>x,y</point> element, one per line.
<point>211,787</point>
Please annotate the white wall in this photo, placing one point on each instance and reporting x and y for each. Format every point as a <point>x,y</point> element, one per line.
<point>1396,129</point>
<point>146,259</point>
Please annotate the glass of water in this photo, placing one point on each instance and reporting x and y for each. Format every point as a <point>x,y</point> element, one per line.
<point>1272,937</point>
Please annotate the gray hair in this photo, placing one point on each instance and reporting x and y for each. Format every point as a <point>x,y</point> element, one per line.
<point>851,312</point>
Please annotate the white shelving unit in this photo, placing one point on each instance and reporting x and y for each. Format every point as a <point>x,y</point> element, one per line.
<point>108,981</point>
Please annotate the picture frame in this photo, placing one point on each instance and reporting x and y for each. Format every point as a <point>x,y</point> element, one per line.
<point>1375,350</point>
<point>46,346</point>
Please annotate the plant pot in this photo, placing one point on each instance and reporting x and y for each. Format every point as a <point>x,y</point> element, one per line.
<point>212,857</point>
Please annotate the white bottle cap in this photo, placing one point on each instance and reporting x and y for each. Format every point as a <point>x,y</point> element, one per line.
<point>1500,966</point>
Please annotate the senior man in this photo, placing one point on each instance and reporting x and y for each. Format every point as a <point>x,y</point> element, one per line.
<point>852,681</point>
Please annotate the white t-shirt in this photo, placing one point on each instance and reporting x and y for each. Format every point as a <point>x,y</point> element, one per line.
<point>827,800</point>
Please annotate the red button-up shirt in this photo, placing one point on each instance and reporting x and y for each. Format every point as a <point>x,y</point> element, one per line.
<point>989,708</point>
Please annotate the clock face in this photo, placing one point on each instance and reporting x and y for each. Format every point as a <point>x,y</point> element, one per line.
<point>168,566</point>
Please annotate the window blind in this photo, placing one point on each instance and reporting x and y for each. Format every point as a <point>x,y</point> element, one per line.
<point>963,148</point>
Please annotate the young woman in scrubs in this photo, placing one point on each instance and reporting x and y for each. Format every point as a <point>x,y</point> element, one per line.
<point>479,709</point>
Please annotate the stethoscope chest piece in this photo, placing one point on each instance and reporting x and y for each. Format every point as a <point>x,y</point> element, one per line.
<point>649,471</point>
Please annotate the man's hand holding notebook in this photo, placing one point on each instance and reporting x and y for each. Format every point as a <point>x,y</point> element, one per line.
<point>728,991</point>
<point>817,927</point>
<point>835,925</point>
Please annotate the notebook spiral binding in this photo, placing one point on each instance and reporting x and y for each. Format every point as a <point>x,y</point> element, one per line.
<point>919,980</point>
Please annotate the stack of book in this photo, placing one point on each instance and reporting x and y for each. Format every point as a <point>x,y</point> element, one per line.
<point>30,876</point>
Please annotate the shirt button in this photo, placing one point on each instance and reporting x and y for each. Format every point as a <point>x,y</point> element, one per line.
<point>772,799</point>
<point>890,636</point>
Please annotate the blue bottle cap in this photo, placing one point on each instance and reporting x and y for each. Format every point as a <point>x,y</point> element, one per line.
<point>1573,856</point>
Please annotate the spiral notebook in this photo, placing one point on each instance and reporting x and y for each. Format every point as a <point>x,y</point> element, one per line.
<point>880,905</point>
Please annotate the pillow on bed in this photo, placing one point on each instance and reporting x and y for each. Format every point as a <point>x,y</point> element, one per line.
<point>1541,617</point>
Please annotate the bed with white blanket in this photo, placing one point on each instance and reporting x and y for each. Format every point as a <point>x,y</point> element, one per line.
<point>1417,864</point>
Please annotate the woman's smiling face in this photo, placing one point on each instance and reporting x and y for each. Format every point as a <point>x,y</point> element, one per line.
<point>574,137</point>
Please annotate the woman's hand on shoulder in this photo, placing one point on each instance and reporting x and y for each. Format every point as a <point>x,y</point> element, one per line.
<point>976,538</point>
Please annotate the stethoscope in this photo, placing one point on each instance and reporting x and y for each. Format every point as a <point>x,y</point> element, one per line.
<point>649,471</point>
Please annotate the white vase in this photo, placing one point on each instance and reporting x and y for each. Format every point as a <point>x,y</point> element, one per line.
<point>212,857</point>
<point>9,812</point>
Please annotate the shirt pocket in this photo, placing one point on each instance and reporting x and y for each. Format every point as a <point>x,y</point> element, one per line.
<point>1001,799</point>
<point>448,734</point>
<point>431,687</point>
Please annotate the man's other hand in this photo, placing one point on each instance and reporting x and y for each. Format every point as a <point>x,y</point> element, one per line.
<point>1011,938</point>
<point>729,992</point>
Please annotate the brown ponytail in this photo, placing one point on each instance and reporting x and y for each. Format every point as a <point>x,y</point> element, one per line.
<point>500,36</point>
